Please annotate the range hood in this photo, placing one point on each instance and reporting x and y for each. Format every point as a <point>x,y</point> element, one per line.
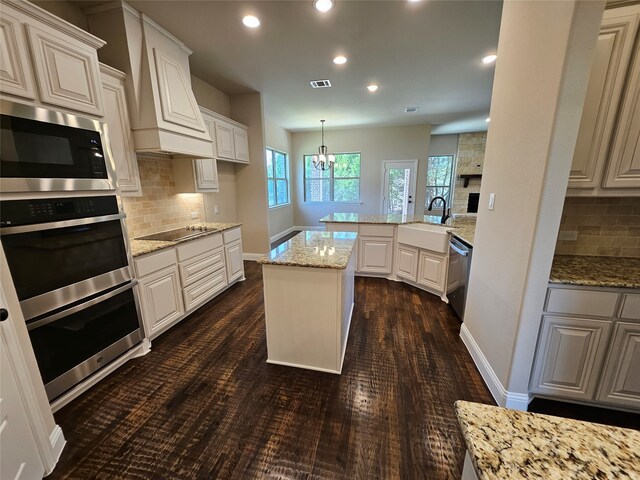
<point>165,117</point>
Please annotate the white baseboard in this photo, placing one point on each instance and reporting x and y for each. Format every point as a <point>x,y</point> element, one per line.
<point>57,442</point>
<point>306,367</point>
<point>252,257</point>
<point>504,398</point>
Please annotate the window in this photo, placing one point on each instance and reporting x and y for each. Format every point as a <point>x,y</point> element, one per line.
<point>439,173</point>
<point>277,178</point>
<point>338,184</point>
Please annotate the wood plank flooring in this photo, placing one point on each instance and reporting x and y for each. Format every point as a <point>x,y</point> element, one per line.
<point>204,404</point>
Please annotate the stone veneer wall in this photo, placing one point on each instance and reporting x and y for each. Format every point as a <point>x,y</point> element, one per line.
<point>606,227</point>
<point>471,148</point>
<point>160,207</point>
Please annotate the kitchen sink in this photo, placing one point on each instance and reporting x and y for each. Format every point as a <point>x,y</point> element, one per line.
<point>425,236</point>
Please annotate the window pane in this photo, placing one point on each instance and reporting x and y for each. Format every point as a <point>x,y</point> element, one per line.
<point>281,165</point>
<point>346,190</point>
<point>317,190</point>
<point>347,165</point>
<point>311,172</point>
<point>282,191</point>
<point>439,170</point>
<point>269,164</point>
<point>272,192</point>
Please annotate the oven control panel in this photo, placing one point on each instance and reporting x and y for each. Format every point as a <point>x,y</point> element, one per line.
<point>27,212</point>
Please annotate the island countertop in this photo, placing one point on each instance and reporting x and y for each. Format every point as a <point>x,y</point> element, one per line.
<point>511,444</point>
<point>462,227</point>
<point>314,249</point>
<point>614,272</point>
<point>142,247</point>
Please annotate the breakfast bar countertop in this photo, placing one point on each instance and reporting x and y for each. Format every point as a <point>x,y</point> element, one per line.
<point>142,247</point>
<point>592,271</point>
<point>511,444</point>
<point>313,249</point>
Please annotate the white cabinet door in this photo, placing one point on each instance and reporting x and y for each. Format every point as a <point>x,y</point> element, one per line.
<point>621,379</point>
<point>224,141</point>
<point>241,145</point>
<point>431,270</point>
<point>375,255</point>
<point>624,162</point>
<point>206,170</point>
<point>407,262</point>
<point>67,70</point>
<point>19,456</point>
<point>120,136</point>
<point>606,84</point>
<point>235,265</point>
<point>16,77</point>
<point>569,356</point>
<point>161,299</point>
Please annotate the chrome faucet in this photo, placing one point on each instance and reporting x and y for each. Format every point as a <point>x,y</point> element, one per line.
<point>445,215</point>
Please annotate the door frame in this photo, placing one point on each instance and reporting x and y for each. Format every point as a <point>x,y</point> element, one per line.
<point>385,165</point>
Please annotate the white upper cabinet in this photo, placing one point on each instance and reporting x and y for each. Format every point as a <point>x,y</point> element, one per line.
<point>232,140</point>
<point>165,117</point>
<point>119,131</point>
<point>39,49</point>
<point>606,154</point>
<point>241,144</point>
<point>224,141</point>
<point>16,77</point>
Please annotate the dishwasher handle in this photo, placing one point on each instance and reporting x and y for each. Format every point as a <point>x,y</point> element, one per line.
<point>457,249</point>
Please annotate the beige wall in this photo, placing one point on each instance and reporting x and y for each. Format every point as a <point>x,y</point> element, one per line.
<point>469,159</point>
<point>251,181</point>
<point>64,10</point>
<point>605,227</point>
<point>225,200</point>
<point>376,145</point>
<point>210,97</point>
<point>538,93</point>
<point>160,208</point>
<point>281,217</point>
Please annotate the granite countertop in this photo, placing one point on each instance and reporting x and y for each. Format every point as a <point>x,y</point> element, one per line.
<point>142,247</point>
<point>512,444</point>
<point>314,249</point>
<point>462,227</point>
<point>615,272</point>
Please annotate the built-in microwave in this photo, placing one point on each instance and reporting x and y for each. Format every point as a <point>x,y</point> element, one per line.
<point>43,150</point>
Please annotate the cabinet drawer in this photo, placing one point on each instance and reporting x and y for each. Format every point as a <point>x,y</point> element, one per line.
<point>154,261</point>
<point>201,291</point>
<point>232,235</point>
<point>376,230</point>
<point>630,307</point>
<point>582,302</point>
<point>197,247</point>
<point>199,267</point>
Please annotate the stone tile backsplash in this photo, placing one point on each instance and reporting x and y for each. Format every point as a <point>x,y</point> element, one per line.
<point>160,207</point>
<point>601,226</point>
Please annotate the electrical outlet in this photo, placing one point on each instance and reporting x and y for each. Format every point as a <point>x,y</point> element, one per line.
<point>194,215</point>
<point>569,235</point>
<point>216,209</point>
<point>492,200</point>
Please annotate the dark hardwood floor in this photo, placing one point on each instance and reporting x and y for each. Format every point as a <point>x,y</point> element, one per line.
<point>204,404</point>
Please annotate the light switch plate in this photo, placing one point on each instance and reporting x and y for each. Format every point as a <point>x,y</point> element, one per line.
<point>492,200</point>
<point>216,209</point>
<point>194,215</point>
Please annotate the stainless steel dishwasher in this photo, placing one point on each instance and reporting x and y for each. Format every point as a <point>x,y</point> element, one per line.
<point>460,254</point>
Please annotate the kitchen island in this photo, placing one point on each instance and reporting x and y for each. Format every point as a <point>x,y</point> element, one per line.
<point>308,296</point>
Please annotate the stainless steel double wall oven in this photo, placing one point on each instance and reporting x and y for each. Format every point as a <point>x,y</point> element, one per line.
<point>67,255</point>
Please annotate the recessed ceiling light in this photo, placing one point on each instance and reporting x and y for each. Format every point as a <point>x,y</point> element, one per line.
<point>340,60</point>
<point>411,109</point>
<point>251,21</point>
<point>489,59</point>
<point>488,119</point>
<point>372,88</point>
<point>323,5</point>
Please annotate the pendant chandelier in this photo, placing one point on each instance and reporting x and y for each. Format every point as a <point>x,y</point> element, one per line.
<point>323,160</point>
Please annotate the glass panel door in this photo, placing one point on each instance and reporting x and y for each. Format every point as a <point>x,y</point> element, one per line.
<point>399,187</point>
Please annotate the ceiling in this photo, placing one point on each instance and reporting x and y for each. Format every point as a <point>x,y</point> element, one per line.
<point>426,54</point>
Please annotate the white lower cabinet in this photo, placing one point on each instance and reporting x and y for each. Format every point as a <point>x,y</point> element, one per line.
<point>235,264</point>
<point>161,299</point>
<point>407,262</point>
<point>432,270</point>
<point>205,289</point>
<point>570,351</point>
<point>621,377</point>
<point>375,255</point>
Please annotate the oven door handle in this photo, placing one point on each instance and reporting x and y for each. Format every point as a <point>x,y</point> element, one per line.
<point>457,249</point>
<point>62,224</point>
<point>82,306</point>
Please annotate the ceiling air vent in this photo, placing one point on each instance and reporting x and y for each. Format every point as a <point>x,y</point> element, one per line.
<point>320,83</point>
<point>411,109</point>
